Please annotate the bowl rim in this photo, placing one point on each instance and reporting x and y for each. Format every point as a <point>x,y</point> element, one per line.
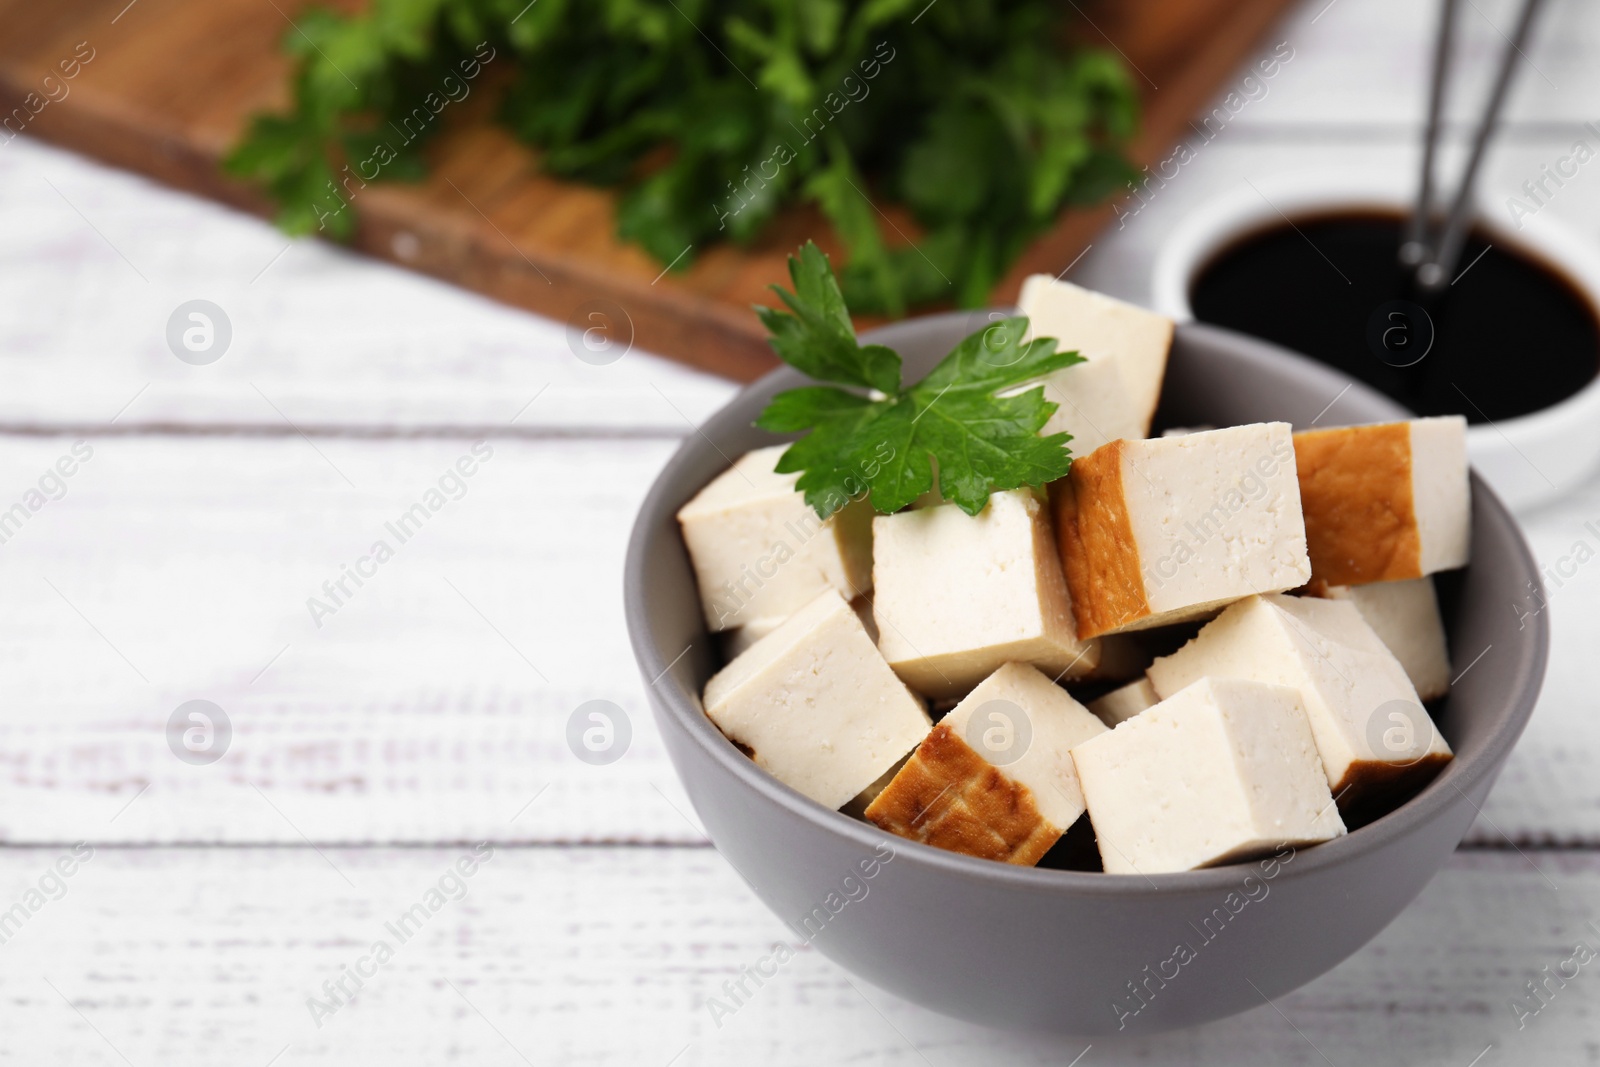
<point>672,699</point>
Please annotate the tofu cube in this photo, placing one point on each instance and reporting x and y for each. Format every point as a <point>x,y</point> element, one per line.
<point>1101,329</point>
<point>1405,616</point>
<point>995,778</point>
<point>1171,529</point>
<point>816,706</point>
<point>1095,405</point>
<point>760,552</point>
<point>957,595</point>
<point>1371,729</point>
<point>1218,772</point>
<point>736,640</point>
<point>1120,705</point>
<point>1387,502</point>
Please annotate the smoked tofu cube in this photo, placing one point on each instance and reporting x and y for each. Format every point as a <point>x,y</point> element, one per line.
<point>957,595</point>
<point>1122,704</point>
<point>1101,329</point>
<point>760,552</point>
<point>1218,772</point>
<point>1386,502</point>
<point>1171,529</point>
<point>995,778</point>
<point>1371,729</point>
<point>816,706</point>
<point>1405,616</point>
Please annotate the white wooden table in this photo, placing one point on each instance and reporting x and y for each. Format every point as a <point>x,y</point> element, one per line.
<point>427,713</point>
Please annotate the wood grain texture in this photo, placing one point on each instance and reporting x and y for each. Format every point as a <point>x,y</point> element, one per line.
<point>432,704</point>
<point>407,717</point>
<point>608,956</point>
<point>342,343</point>
<point>1360,69</point>
<point>96,260</point>
<point>174,81</point>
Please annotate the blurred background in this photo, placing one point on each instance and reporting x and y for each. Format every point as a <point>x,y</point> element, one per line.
<point>215,403</point>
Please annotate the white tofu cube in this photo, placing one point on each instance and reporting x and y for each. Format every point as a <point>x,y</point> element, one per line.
<point>995,778</point>
<point>1371,729</point>
<point>1405,616</point>
<point>736,640</point>
<point>740,638</point>
<point>815,705</point>
<point>1101,328</point>
<point>1386,502</point>
<point>1220,771</point>
<point>1120,705</point>
<point>957,595</point>
<point>1171,529</point>
<point>760,552</point>
<point>1095,405</point>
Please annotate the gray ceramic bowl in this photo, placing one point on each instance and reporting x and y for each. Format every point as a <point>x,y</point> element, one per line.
<point>1080,952</point>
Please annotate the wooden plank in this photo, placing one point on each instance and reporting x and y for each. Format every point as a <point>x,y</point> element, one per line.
<point>1535,799</point>
<point>96,261</point>
<point>608,956</point>
<point>339,341</point>
<point>145,102</point>
<point>1364,64</point>
<point>432,704</point>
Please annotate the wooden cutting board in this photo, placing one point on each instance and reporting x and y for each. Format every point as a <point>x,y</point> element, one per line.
<point>165,87</point>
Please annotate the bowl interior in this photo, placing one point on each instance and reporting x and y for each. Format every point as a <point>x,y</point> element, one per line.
<point>1214,377</point>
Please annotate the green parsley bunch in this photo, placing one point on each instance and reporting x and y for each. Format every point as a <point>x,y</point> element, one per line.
<point>712,116</point>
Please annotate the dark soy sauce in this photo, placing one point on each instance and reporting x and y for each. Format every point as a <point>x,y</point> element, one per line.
<point>1511,335</point>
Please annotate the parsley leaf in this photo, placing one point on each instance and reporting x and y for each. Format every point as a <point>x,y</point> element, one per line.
<point>819,338</point>
<point>951,428</point>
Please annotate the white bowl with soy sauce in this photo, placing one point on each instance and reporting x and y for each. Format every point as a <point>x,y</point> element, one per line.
<point>1311,262</point>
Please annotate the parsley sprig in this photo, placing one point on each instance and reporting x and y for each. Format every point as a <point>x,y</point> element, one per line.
<point>896,442</point>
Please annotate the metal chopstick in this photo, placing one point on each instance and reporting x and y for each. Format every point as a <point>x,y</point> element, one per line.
<point>1414,250</point>
<point>1434,272</point>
